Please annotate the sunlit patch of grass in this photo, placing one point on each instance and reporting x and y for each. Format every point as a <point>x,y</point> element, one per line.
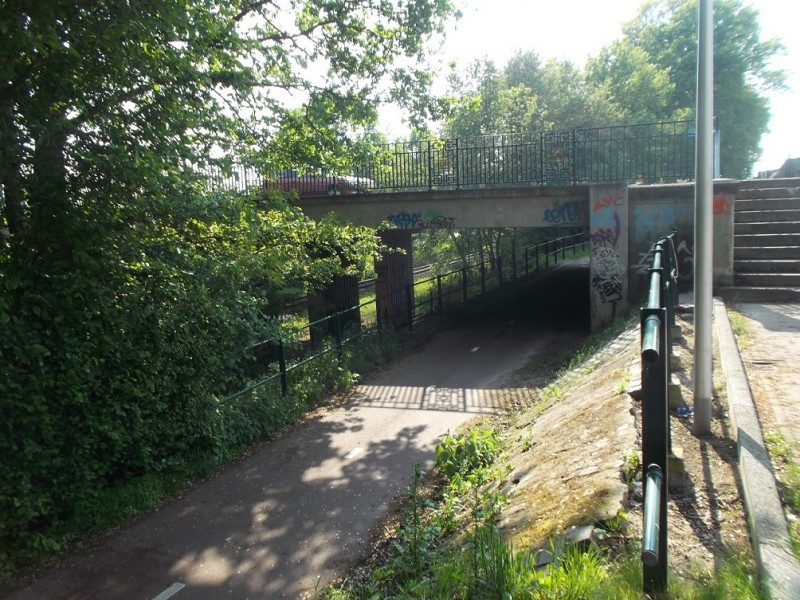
<point>741,328</point>
<point>787,471</point>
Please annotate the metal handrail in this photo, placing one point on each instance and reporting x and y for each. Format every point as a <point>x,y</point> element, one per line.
<point>656,342</point>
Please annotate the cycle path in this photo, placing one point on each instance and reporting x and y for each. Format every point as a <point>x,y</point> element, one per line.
<point>283,521</point>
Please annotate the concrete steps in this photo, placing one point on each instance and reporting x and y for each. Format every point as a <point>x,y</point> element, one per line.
<point>766,242</point>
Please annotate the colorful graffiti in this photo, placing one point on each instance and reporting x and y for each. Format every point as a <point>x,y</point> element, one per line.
<point>431,220</point>
<point>571,211</point>
<point>608,201</point>
<point>721,205</point>
<point>607,236</point>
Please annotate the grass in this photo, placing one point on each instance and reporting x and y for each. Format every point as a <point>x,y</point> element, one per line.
<point>448,545</point>
<point>741,328</point>
<point>787,472</point>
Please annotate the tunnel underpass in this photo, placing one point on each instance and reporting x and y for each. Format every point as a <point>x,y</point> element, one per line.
<point>548,302</point>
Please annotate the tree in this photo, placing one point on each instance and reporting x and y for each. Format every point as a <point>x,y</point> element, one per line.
<point>524,96</point>
<point>639,90</point>
<point>121,97</point>
<point>128,291</point>
<point>666,31</point>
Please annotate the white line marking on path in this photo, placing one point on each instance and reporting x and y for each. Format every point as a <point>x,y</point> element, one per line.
<point>170,591</point>
<point>475,349</point>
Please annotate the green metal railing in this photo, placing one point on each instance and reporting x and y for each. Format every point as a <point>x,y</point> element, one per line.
<point>656,321</point>
<point>300,345</point>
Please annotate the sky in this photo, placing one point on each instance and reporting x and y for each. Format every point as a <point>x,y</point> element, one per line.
<point>576,29</point>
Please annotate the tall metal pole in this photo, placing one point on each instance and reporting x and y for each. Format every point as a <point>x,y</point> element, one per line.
<point>703,224</point>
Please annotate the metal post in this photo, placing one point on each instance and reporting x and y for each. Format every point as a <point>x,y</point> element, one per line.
<point>514,258</point>
<point>537,258</point>
<point>337,333</point>
<point>717,149</point>
<point>483,278</point>
<point>439,288</point>
<point>464,282</point>
<point>499,271</point>
<point>410,305</point>
<point>458,171</point>
<point>572,154</point>
<point>703,223</point>
<point>526,261</point>
<point>430,166</point>
<point>378,320</point>
<point>541,158</point>
<point>282,365</point>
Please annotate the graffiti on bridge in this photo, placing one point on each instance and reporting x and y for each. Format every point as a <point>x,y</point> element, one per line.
<point>685,257</point>
<point>431,220</point>
<point>571,211</point>
<point>607,236</point>
<point>608,201</point>
<point>607,277</point>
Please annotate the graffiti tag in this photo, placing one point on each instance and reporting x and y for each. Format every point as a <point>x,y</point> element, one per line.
<point>439,222</point>
<point>606,279</point>
<point>571,211</point>
<point>404,220</point>
<point>608,201</point>
<point>685,261</point>
<point>607,236</point>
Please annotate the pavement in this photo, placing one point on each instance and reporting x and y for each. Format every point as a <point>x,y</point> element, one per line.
<point>773,340</point>
<point>284,521</point>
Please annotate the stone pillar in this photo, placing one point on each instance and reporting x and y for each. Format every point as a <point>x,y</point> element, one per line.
<point>608,237</point>
<point>722,218</point>
<point>393,274</point>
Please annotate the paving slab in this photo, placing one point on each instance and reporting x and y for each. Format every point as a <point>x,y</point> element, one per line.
<point>769,531</point>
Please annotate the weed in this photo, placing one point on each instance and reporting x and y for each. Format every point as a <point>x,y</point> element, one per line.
<point>527,442</point>
<point>631,467</point>
<point>787,471</point>
<point>741,328</point>
<point>464,453</point>
<point>416,539</point>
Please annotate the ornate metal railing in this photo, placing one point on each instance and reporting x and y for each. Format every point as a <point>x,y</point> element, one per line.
<point>643,153</point>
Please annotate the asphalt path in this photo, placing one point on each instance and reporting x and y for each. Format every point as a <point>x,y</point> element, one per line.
<point>282,522</point>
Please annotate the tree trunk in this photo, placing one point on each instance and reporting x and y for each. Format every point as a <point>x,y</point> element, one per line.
<point>10,161</point>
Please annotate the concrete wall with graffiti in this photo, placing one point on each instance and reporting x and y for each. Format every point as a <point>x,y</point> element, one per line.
<point>659,209</point>
<point>460,209</point>
<point>608,244</point>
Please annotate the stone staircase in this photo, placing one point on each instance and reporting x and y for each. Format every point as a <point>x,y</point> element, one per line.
<point>766,242</point>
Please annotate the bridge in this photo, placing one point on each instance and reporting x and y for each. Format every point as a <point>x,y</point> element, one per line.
<point>624,186</point>
<point>620,220</point>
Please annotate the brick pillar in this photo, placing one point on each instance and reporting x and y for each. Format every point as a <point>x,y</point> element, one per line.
<point>340,295</point>
<point>393,273</point>
<point>608,236</point>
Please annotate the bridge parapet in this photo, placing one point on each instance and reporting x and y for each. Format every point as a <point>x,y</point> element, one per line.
<point>538,206</point>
